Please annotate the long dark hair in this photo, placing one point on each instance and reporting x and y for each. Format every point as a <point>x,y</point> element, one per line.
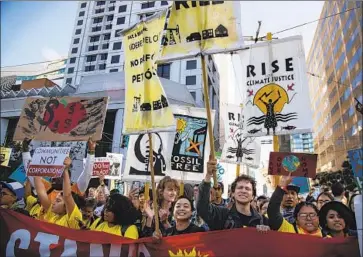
<point>123,209</point>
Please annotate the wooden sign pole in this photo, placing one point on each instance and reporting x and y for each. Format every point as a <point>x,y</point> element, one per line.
<point>155,202</point>
<point>238,170</point>
<point>209,117</point>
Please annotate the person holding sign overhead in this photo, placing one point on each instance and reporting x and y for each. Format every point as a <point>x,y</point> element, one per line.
<point>305,213</point>
<point>241,214</point>
<point>63,211</point>
<point>56,184</point>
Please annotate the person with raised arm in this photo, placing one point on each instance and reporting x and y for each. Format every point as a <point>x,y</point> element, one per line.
<point>63,211</point>
<point>241,213</point>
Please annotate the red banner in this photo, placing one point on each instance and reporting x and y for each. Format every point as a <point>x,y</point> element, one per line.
<point>24,236</point>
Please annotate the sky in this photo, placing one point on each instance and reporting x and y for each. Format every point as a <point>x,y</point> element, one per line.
<point>35,31</point>
<point>41,31</point>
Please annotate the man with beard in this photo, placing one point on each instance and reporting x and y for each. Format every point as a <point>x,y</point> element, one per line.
<point>289,201</point>
<point>241,214</point>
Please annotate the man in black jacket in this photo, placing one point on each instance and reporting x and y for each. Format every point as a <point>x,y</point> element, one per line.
<point>241,214</point>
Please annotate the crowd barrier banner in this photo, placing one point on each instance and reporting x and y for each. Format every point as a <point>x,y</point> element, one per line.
<point>23,236</point>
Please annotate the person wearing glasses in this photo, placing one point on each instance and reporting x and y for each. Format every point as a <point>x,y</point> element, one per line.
<point>323,198</point>
<point>218,200</point>
<point>305,213</point>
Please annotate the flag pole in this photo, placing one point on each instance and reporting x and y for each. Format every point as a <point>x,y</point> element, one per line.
<point>238,169</point>
<point>155,203</point>
<point>209,117</point>
<point>276,145</point>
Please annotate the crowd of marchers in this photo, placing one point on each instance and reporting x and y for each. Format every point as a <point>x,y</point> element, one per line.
<point>199,208</point>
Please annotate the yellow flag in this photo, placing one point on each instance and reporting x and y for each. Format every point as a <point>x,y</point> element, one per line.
<point>5,154</point>
<point>146,105</point>
<point>202,27</point>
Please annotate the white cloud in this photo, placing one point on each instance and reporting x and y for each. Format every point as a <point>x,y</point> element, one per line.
<point>50,54</point>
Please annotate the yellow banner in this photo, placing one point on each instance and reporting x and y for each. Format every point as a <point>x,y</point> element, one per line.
<point>146,105</point>
<point>202,27</point>
<point>5,156</point>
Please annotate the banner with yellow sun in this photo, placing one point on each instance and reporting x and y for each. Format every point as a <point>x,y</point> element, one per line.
<point>277,94</point>
<point>182,154</point>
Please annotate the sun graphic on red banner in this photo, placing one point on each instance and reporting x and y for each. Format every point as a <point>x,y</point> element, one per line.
<point>192,253</point>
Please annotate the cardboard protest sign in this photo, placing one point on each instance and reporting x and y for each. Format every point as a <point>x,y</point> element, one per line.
<point>48,162</point>
<point>101,166</point>
<point>206,27</point>
<point>5,154</point>
<point>62,119</point>
<point>299,164</point>
<point>181,155</point>
<point>356,160</point>
<point>19,174</point>
<point>146,105</point>
<point>277,100</point>
<point>115,165</point>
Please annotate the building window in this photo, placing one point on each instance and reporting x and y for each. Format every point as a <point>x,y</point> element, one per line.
<point>120,20</point>
<point>112,2</point>
<point>109,26</point>
<point>69,81</point>
<point>352,38</point>
<point>91,58</point>
<point>70,70</point>
<point>191,65</point>
<point>78,31</point>
<point>340,61</point>
<point>81,14</point>
<point>83,5</point>
<point>146,15</point>
<point>72,60</point>
<point>164,3</point>
<point>99,3</point>
<point>93,48</point>
<point>164,70</point>
<point>115,59</point>
<point>337,125</point>
<point>147,5</point>
<point>105,46</point>
<point>110,18</point>
<point>193,95</point>
<point>99,10</point>
<point>117,46</point>
<point>76,41</point>
<point>103,57</point>
<point>74,50</point>
<point>332,94</point>
<point>107,36</point>
<point>96,29</point>
<point>117,33</point>
<point>122,8</point>
<point>102,66</point>
<point>90,68</point>
<point>113,70</point>
<point>111,9</point>
<point>191,80</point>
<point>94,39</point>
<point>351,111</point>
<point>358,80</point>
<point>79,23</point>
<point>334,109</point>
<point>97,20</point>
<point>355,58</point>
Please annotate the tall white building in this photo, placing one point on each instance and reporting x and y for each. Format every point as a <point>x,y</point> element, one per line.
<point>96,47</point>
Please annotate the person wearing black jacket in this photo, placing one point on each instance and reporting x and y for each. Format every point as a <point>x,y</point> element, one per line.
<point>241,214</point>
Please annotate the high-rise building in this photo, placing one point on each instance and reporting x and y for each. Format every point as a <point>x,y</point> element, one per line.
<point>302,143</point>
<point>335,82</point>
<point>97,47</point>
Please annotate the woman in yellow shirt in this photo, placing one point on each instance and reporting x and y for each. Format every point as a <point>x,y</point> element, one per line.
<point>118,218</point>
<point>63,211</point>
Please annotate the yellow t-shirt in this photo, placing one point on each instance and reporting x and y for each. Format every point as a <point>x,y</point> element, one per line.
<point>33,207</point>
<point>69,221</point>
<point>131,231</point>
<point>289,228</point>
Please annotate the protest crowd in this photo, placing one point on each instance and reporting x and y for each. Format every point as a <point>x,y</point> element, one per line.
<point>199,208</point>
